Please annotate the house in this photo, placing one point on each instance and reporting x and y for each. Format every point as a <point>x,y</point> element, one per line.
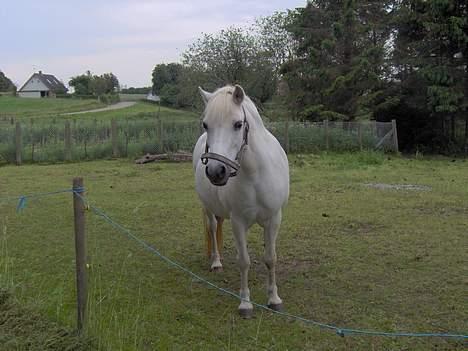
<point>151,97</point>
<point>42,85</point>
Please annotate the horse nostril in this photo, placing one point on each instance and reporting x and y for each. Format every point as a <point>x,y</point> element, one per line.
<point>222,171</point>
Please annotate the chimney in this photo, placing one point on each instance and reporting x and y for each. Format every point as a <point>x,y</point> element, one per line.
<point>40,73</point>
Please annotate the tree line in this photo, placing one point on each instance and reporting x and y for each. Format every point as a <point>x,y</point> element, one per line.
<point>105,87</point>
<point>6,85</point>
<point>344,60</point>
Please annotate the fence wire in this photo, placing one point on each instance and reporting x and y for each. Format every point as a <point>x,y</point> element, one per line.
<point>96,139</point>
<point>123,230</point>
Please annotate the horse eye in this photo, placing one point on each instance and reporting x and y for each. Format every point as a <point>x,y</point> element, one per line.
<point>238,125</point>
<point>205,126</point>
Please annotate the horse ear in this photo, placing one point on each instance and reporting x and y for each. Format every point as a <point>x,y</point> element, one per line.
<point>238,94</point>
<point>205,95</point>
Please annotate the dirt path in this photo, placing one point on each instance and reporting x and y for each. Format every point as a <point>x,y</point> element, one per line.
<point>117,106</point>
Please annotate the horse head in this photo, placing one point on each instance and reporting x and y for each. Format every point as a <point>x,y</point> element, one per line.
<point>226,126</point>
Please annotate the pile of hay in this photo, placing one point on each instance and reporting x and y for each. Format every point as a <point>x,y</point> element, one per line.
<point>24,329</point>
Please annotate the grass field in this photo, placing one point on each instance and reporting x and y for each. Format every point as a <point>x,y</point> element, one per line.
<point>46,111</point>
<point>43,134</point>
<point>350,255</point>
<point>28,108</point>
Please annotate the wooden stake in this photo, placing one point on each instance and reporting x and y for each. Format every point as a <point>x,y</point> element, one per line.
<point>395,135</point>
<point>359,131</point>
<point>18,143</point>
<point>67,141</point>
<point>115,149</point>
<point>80,248</point>
<point>160,135</point>
<point>327,138</point>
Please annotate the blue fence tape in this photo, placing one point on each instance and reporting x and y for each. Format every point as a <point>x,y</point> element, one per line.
<point>22,199</point>
<point>339,331</point>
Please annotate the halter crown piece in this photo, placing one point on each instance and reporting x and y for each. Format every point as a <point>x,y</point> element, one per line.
<point>235,165</point>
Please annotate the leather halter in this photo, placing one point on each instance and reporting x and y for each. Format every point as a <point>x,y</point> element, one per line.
<point>233,164</point>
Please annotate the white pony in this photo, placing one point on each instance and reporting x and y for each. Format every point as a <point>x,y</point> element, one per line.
<point>241,173</point>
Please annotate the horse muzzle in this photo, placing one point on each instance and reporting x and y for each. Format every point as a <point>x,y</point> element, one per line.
<point>218,173</point>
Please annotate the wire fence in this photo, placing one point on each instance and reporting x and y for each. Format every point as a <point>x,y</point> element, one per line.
<point>79,193</point>
<point>76,140</point>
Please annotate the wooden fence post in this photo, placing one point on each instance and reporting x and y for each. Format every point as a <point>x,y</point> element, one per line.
<point>67,141</point>
<point>395,135</point>
<point>359,133</point>
<point>80,249</point>
<point>31,137</point>
<point>160,135</point>
<point>18,143</point>
<point>115,149</point>
<point>327,137</point>
<point>286,134</point>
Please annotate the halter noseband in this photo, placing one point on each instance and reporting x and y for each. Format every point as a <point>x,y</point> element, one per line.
<point>235,165</point>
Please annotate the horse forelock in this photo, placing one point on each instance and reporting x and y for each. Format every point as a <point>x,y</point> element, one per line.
<point>222,104</point>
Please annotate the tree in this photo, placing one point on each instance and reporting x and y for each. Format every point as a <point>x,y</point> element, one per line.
<point>133,90</point>
<point>273,37</point>
<point>222,57</point>
<point>6,85</point>
<point>430,64</point>
<point>81,83</point>
<point>164,74</point>
<point>88,84</point>
<point>228,57</point>
<point>111,83</point>
<point>251,57</point>
<point>338,69</point>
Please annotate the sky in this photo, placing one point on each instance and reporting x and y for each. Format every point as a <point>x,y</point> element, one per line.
<point>125,37</point>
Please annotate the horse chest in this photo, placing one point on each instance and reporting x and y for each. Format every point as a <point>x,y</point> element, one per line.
<point>224,201</point>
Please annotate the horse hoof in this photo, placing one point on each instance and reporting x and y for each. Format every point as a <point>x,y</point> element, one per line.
<point>246,313</point>
<point>278,307</point>
<point>216,269</point>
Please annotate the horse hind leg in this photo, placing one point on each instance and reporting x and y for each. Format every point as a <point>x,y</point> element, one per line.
<point>213,230</point>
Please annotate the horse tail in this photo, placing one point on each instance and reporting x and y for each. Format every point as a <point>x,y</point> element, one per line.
<point>219,233</point>
<point>207,234</point>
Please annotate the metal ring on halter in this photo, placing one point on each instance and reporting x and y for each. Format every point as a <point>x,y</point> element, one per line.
<point>235,165</point>
<point>232,164</point>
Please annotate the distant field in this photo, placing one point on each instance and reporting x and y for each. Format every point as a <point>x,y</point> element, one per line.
<point>49,110</point>
<point>132,97</point>
<point>140,110</point>
<point>141,129</point>
<point>348,254</point>
<point>23,107</point>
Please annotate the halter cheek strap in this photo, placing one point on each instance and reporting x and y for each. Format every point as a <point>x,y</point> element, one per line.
<point>235,165</point>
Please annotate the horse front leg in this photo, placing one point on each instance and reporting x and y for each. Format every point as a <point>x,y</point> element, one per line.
<point>271,228</point>
<point>213,228</point>
<point>239,230</point>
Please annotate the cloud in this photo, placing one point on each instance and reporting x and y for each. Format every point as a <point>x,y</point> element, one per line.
<point>125,37</point>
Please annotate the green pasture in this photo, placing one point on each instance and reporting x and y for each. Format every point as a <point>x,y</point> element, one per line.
<point>47,111</point>
<point>16,107</point>
<point>140,110</point>
<point>139,128</point>
<point>132,97</point>
<point>348,254</point>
